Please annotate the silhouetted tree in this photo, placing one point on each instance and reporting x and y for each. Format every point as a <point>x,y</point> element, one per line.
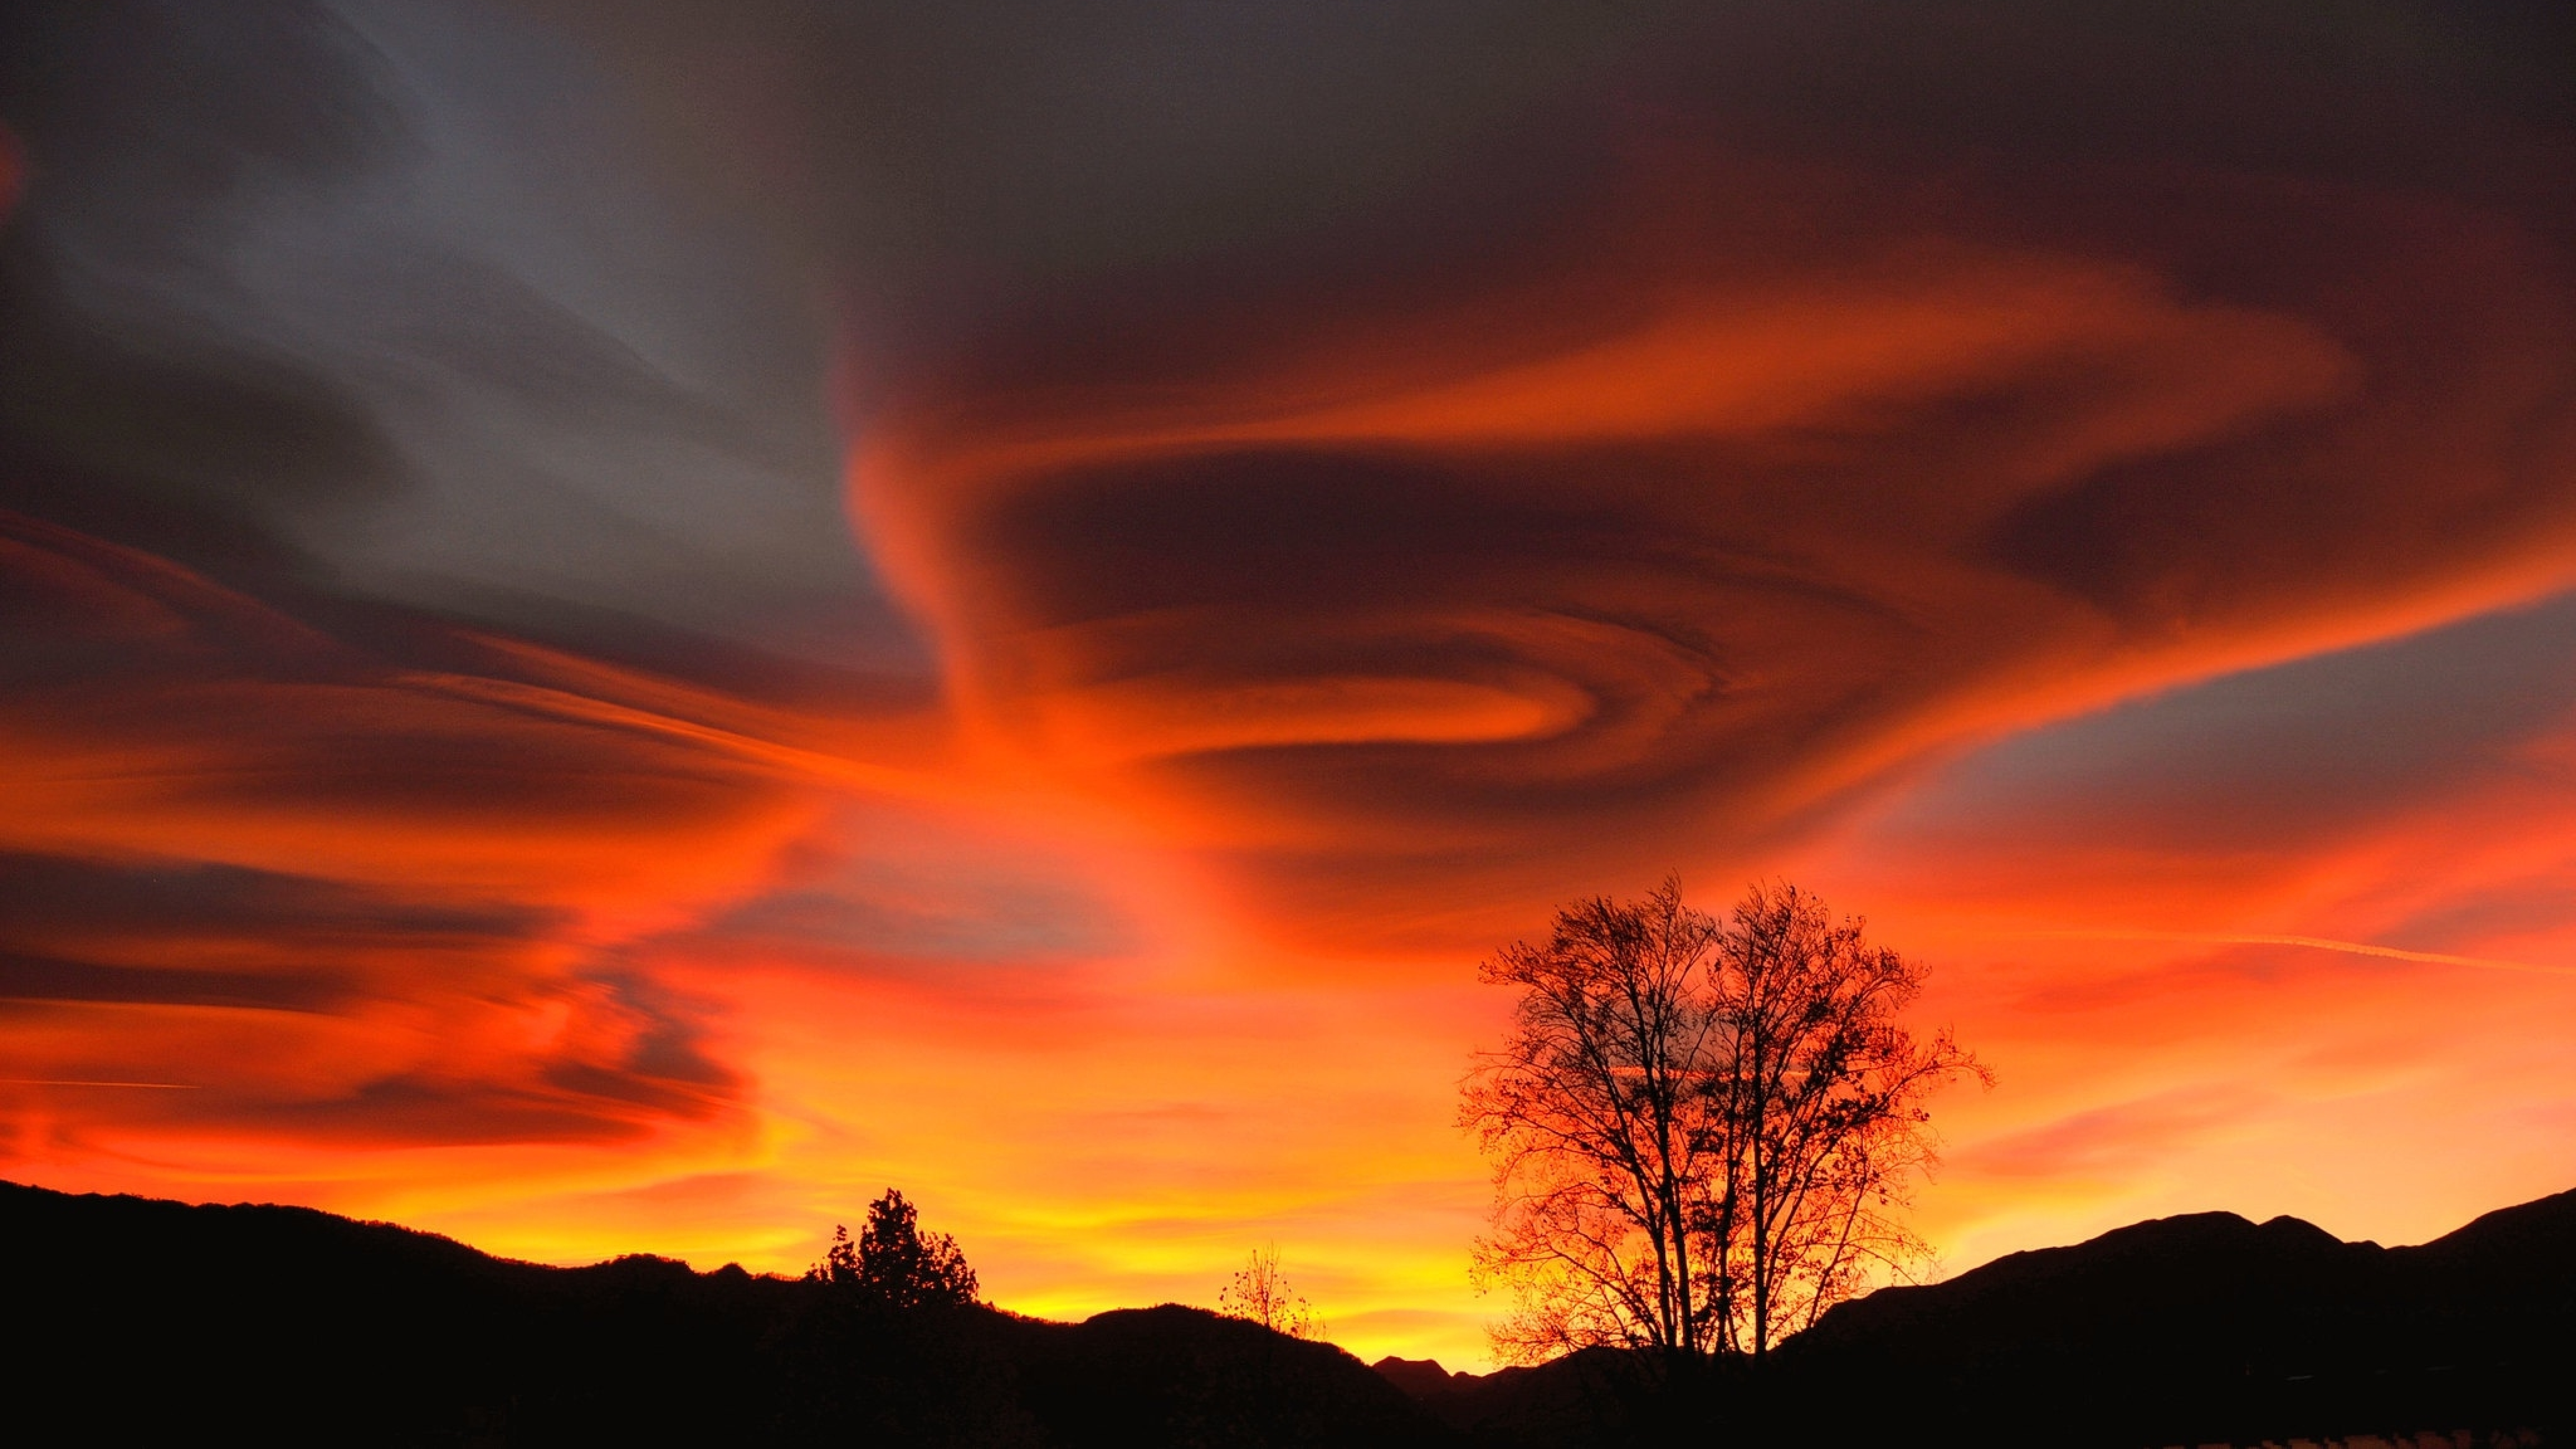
<point>1826,1128</point>
<point>1704,1130</point>
<point>1260,1292</point>
<point>893,1264</point>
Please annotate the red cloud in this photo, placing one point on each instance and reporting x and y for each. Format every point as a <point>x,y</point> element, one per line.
<point>1652,542</point>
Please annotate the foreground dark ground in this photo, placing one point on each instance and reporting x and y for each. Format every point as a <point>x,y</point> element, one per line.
<point>138,1320</point>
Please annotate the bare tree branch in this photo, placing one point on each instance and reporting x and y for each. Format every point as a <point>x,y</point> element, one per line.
<point>1703,1131</point>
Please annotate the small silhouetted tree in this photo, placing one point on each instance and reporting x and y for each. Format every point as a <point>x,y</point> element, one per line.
<point>1260,1293</point>
<point>893,1264</point>
<point>1704,1131</point>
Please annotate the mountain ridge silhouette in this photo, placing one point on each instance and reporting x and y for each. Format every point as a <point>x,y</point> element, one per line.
<point>157,1318</point>
<point>2201,1328</point>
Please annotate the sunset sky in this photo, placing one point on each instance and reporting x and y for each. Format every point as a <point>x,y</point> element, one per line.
<point>623,622</point>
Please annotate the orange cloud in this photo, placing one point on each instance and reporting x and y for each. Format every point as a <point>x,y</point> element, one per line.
<point>1709,521</point>
<point>1770,448</point>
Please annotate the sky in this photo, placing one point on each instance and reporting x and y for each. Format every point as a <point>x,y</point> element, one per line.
<point>624,624</point>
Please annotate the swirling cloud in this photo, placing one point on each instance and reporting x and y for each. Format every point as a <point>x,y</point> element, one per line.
<point>635,620</point>
<point>1691,522</point>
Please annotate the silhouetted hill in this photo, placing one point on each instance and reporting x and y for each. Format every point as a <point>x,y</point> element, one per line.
<point>139,1321</point>
<point>2188,1330</point>
<point>2209,1327</point>
<point>1187,1376</point>
<point>1597,1396</point>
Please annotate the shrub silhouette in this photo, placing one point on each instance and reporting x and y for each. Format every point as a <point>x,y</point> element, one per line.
<point>892,1264</point>
<point>1260,1294</point>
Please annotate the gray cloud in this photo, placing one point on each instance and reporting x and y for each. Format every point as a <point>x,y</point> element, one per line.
<point>380,299</point>
<point>2286,758</point>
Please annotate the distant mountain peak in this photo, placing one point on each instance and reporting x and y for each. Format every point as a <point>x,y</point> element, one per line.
<point>1416,1376</point>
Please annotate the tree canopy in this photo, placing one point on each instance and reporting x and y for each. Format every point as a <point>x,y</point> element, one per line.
<point>1704,1131</point>
<point>893,1263</point>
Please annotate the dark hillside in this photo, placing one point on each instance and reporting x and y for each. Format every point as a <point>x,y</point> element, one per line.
<point>1596,1397</point>
<point>2202,1329</point>
<point>141,1321</point>
<point>1174,1375</point>
<point>2210,1328</point>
